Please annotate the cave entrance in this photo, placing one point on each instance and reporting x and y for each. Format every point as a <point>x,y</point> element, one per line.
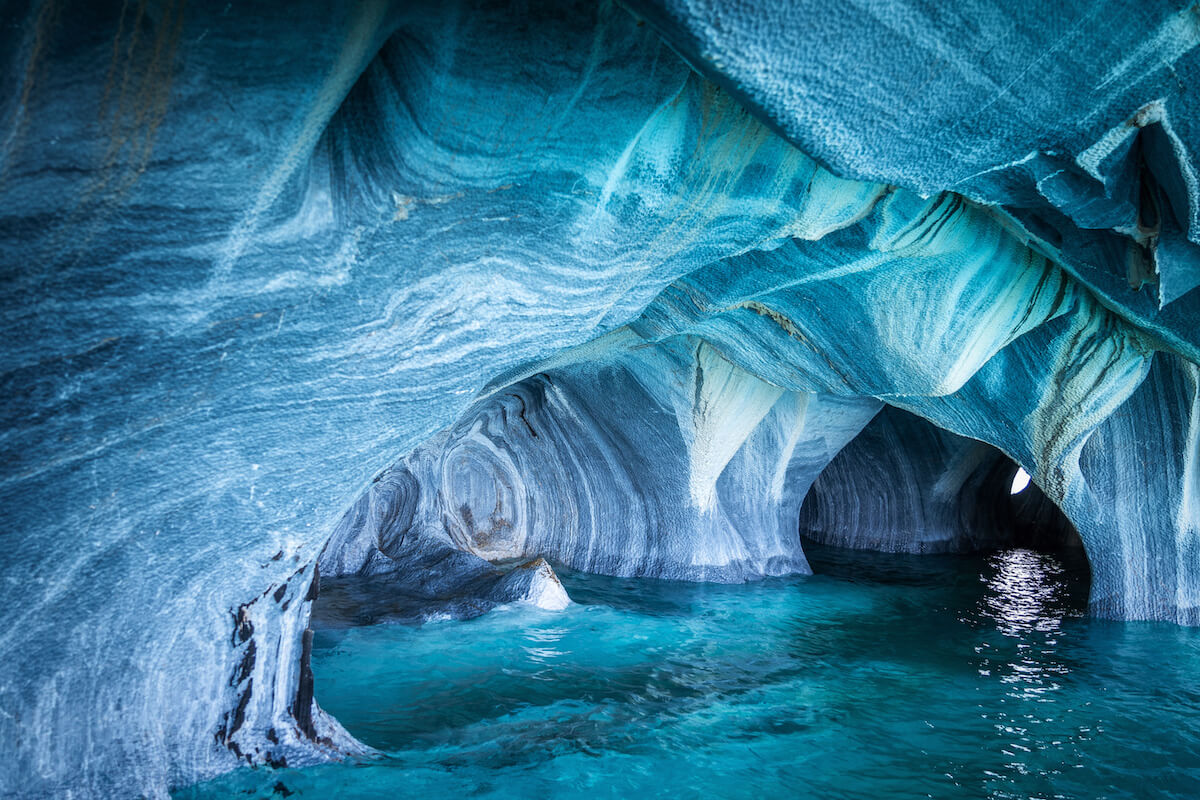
<point>1020,481</point>
<point>905,489</point>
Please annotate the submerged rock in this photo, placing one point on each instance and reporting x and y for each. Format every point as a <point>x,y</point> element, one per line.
<point>534,582</point>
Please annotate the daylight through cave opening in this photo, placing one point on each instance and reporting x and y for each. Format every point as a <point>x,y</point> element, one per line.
<point>903,485</point>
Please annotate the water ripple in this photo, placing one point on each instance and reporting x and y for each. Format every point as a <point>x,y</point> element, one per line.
<point>907,677</point>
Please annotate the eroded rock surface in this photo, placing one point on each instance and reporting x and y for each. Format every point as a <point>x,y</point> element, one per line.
<point>251,259</point>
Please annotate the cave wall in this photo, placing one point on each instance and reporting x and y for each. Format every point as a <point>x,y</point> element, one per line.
<point>904,485</point>
<point>249,259</point>
<point>660,462</point>
<point>252,257</point>
<point>1138,499</point>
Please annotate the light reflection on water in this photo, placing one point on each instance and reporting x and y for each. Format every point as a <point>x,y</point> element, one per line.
<point>885,676</point>
<point>1024,590</point>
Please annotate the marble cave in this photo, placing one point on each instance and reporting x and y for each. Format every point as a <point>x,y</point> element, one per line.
<point>636,398</point>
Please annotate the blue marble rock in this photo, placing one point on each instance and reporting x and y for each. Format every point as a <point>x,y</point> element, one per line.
<point>905,486</point>
<point>660,462</point>
<point>1078,122</point>
<point>254,259</point>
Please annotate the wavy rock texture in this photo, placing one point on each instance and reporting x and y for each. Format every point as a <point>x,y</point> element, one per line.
<point>905,486</point>
<point>250,259</point>
<point>667,462</point>
<point>1081,122</point>
<point>1146,536</point>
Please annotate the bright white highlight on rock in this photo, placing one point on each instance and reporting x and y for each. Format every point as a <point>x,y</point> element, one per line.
<point>1020,481</point>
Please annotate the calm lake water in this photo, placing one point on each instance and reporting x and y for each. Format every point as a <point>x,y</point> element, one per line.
<point>880,677</point>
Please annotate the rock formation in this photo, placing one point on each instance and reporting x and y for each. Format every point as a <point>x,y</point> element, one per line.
<point>605,285</point>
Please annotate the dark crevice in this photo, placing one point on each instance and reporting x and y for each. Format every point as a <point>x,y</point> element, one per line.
<point>906,486</point>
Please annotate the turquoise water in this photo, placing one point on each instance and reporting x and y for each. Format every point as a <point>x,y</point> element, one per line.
<point>883,676</point>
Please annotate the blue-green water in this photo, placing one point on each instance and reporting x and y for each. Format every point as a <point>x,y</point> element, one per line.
<point>884,676</point>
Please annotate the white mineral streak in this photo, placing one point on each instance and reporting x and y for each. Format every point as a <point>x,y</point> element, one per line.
<point>727,404</point>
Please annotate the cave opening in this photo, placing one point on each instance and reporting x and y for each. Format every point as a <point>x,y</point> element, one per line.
<point>739,675</point>
<point>904,485</point>
<point>905,491</point>
<point>495,509</point>
<point>904,510</point>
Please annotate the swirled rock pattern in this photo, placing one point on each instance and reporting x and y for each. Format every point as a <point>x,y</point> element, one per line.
<point>252,258</point>
<point>667,462</point>
<point>1080,123</point>
<point>906,486</point>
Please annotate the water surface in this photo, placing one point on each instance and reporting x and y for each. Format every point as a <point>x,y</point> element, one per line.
<point>882,676</point>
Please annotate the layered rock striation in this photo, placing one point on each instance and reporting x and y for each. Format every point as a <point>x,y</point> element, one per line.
<point>253,260</point>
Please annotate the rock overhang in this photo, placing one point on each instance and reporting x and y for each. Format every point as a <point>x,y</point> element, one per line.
<point>250,259</point>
